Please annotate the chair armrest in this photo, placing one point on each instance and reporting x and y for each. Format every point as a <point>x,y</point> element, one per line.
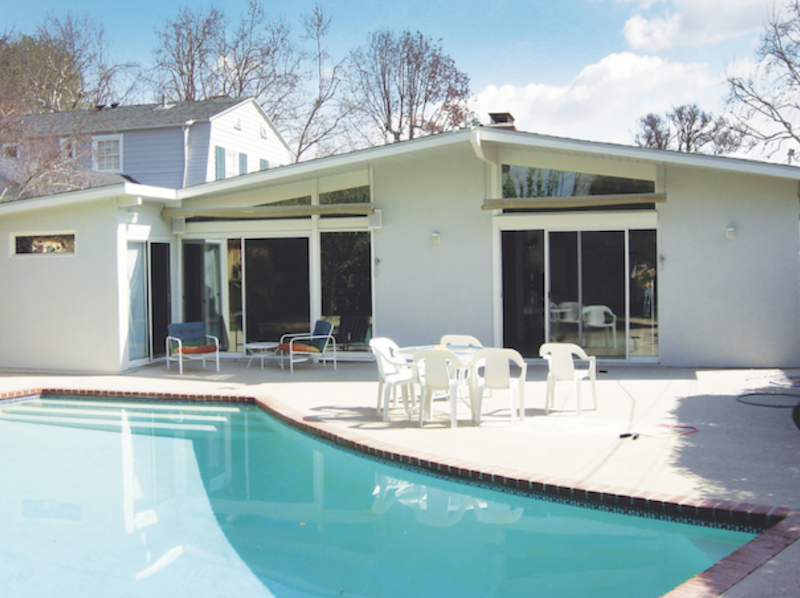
<point>308,337</point>
<point>291,335</point>
<point>215,339</point>
<point>173,339</point>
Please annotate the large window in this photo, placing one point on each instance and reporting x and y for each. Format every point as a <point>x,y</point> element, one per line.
<point>593,288</point>
<point>531,189</point>
<point>347,287</point>
<point>107,153</point>
<point>276,283</point>
<point>530,182</point>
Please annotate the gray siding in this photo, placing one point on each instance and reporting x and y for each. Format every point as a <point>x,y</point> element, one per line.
<point>199,154</point>
<point>154,157</point>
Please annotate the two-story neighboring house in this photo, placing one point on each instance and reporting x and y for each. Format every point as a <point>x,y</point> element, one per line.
<point>171,145</point>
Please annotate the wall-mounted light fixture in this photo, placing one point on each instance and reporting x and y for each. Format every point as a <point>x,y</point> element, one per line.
<point>730,233</point>
<point>436,238</point>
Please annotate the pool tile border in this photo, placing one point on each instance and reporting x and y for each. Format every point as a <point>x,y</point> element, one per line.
<point>781,525</point>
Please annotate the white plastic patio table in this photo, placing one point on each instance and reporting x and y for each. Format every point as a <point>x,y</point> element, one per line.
<point>463,352</point>
<point>261,351</point>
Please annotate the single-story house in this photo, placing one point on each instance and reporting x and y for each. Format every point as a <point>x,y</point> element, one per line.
<point>639,255</point>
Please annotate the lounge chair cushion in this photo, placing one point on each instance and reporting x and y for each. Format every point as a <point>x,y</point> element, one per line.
<point>298,348</point>
<point>194,349</point>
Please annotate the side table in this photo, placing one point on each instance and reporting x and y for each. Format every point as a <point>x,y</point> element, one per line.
<point>260,351</point>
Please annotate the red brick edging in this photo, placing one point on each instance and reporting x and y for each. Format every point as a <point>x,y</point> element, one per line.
<point>782,525</point>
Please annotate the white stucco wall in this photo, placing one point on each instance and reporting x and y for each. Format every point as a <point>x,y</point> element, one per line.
<point>424,290</point>
<point>59,311</point>
<point>729,302</point>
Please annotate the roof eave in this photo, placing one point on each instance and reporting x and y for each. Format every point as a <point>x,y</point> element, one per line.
<point>642,154</point>
<point>146,192</point>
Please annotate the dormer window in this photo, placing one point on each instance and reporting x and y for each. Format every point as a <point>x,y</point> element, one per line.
<point>10,150</point>
<point>107,153</point>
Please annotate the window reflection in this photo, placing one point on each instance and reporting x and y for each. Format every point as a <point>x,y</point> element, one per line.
<point>528,182</point>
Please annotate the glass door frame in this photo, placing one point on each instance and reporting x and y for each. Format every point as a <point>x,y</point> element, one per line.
<point>310,229</point>
<point>567,222</point>
<point>150,356</point>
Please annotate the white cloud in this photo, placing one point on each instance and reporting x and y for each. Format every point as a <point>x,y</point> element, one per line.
<point>606,99</point>
<point>694,22</point>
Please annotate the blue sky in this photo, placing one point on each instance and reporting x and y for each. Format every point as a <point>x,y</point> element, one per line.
<point>578,68</point>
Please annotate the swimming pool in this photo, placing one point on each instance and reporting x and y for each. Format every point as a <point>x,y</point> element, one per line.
<point>137,498</point>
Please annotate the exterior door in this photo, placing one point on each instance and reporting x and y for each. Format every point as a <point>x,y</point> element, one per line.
<point>595,289</point>
<point>587,291</point>
<point>149,305</point>
<point>276,287</point>
<point>202,288</point>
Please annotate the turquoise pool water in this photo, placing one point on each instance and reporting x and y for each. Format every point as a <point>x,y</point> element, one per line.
<point>106,498</point>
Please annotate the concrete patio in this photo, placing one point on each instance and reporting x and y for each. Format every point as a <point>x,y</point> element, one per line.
<point>740,453</point>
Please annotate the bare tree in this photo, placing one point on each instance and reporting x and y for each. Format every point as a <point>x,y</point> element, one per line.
<point>46,165</point>
<point>62,67</point>
<point>653,132</point>
<point>688,129</point>
<point>321,115</point>
<point>258,60</point>
<point>406,86</point>
<point>186,53</point>
<point>197,58</point>
<point>766,102</point>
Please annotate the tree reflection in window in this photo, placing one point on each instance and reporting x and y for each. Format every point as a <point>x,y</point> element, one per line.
<point>530,182</point>
<point>25,244</point>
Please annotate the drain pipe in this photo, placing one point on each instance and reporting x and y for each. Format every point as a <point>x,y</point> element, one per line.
<point>186,126</point>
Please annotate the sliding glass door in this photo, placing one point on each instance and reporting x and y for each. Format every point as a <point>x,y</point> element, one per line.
<point>524,304</point>
<point>202,288</point>
<point>149,304</point>
<point>276,288</point>
<point>595,289</point>
<point>345,265</point>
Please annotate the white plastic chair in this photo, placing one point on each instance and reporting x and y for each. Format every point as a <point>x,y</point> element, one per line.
<point>441,374</point>
<point>568,311</point>
<point>393,372</point>
<point>460,340</point>
<point>600,316</point>
<point>561,368</point>
<point>491,369</point>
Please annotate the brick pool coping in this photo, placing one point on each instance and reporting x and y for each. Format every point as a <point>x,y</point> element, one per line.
<point>781,525</point>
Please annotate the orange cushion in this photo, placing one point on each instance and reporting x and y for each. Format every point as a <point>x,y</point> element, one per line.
<point>195,350</point>
<point>297,348</point>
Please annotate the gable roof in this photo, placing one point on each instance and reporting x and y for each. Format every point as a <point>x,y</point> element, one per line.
<point>114,119</point>
<point>482,142</point>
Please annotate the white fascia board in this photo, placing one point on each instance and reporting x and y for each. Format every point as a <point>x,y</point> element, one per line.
<point>324,166</point>
<point>610,150</point>
<point>149,192</point>
<point>122,190</point>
